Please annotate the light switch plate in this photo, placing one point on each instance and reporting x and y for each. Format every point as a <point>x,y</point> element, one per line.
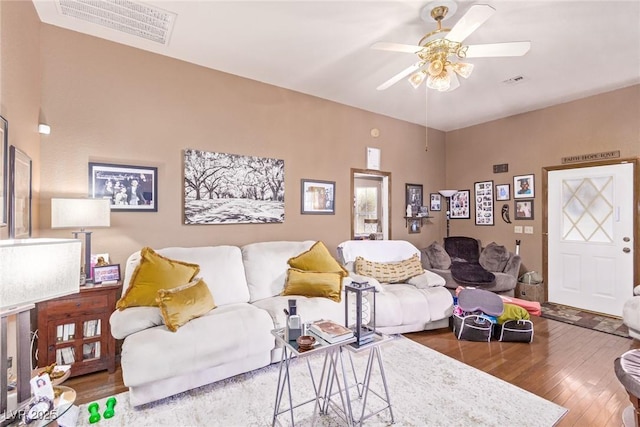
<point>517,229</point>
<point>528,230</point>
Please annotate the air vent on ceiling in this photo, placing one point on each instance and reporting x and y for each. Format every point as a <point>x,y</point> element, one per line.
<point>514,80</point>
<point>137,19</point>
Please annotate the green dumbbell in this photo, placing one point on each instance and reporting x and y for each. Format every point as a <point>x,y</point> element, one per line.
<point>95,415</point>
<point>110,412</point>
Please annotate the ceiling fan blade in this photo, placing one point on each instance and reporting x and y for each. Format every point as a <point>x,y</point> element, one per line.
<point>497,49</point>
<point>470,22</point>
<point>396,47</point>
<point>404,73</point>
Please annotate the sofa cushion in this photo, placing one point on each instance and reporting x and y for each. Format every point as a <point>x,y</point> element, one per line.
<point>376,250</point>
<point>390,272</point>
<point>155,272</point>
<point>438,257</point>
<point>494,257</point>
<point>265,266</point>
<point>317,258</point>
<point>427,279</point>
<point>462,248</point>
<point>313,284</point>
<point>222,336</point>
<point>180,305</point>
<point>221,268</point>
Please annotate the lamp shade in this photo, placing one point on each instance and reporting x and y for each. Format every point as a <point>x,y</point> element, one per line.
<point>80,213</point>
<point>33,270</point>
<point>448,193</point>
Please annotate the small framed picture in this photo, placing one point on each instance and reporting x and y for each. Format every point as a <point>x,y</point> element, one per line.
<point>503,192</point>
<point>460,205</point>
<point>413,197</point>
<point>414,226</point>
<point>373,158</point>
<point>524,209</point>
<point>436,201</point>
<point>484,202</point>
<point>317,197</point>
<point>106,274</point>
<point>523,187</point>
<point>423,211</point>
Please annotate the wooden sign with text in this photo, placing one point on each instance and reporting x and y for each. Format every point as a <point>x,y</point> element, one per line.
<point>592,157</point>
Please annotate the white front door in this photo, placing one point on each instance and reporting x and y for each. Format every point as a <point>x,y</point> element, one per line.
<point>590,237</point>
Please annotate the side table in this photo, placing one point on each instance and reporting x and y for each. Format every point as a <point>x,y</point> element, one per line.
<point>74,330</point>
<point>363,387</point>
<point>332,365</point>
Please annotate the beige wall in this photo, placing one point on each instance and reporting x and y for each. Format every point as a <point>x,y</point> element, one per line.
<point>528,142</point>
<point>20,85</point>
<point>111,103</point>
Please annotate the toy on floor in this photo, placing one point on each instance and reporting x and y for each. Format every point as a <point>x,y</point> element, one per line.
<point>110,411</point>
<point>95,415</point>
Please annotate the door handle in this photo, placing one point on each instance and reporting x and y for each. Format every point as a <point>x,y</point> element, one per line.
<point>626,250</point>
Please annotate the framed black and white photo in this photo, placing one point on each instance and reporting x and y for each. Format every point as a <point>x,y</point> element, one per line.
<point>460,205</point>
<point>106,273</point>
<point>523,209</point>
<point>4,163</point>
<point>19,194</point>
<point>436,201</point>
<point>221,188</point>
<point>523,187</point>
<point>484,202</point>
<point>413,197</point>
<point>317,197</point>
<point>503,192</point>
<point>129,188</point>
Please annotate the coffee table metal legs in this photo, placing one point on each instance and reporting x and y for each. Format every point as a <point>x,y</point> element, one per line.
<point>330,375</point>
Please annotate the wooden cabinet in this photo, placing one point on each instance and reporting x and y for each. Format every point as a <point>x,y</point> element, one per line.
<point>74,330</point>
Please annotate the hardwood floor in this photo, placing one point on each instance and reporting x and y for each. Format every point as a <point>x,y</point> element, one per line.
<point>568,365</point>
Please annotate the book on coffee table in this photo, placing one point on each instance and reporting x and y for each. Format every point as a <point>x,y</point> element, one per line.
<point>330,331</point>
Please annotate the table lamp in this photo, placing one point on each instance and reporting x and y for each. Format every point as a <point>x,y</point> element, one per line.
<point>81,213</point>
<point>31,270</point>
<point>448,194</point>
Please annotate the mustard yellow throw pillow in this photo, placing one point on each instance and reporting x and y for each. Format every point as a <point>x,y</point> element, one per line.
<point>317,258</point>
<point>153,273</point>
<point>313,284</point>
<point>184,303</point>
<point>389,272</point>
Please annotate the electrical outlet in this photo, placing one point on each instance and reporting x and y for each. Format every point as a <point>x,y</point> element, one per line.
<point>517,229</point>
<point>528,230</point>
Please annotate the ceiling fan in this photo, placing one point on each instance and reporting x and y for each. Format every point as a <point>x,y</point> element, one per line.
<point>439,50</point>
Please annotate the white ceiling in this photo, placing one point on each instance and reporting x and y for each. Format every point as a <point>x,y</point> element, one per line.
<point>322,48</point>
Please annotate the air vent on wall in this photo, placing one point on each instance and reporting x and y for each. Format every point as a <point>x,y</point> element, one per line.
<point>137,19</point>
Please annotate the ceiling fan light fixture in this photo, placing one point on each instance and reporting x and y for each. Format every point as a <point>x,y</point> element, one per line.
<point>436,67</point>
<point>441,82</point>
<point>417,78</point>
<point>463,69</point>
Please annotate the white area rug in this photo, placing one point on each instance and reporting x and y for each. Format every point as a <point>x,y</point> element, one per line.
<point>426,387</point>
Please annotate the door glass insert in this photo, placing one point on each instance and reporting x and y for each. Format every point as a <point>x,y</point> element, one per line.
<point>587,207</point>
<point>91,350</point>
<point>91,328</point>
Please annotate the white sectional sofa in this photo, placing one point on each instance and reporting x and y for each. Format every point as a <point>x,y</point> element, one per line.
<point>235,336</point>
